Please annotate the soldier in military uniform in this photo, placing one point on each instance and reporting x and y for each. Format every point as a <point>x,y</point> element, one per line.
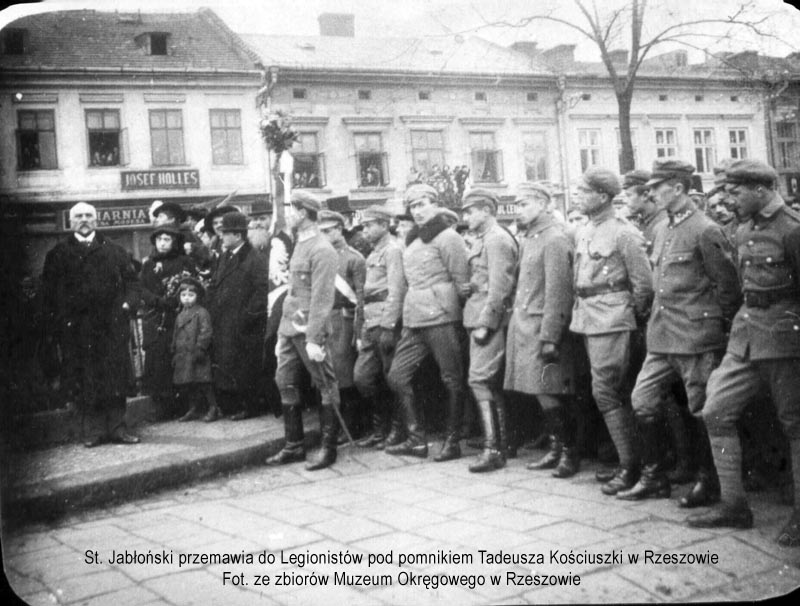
<point>383,307</point>
<point>540,354</point>
<point>348,312</point>
<point>764,346</point>
<point>436,271</point>
<point>303,334</point>
<point>613,291</point>
<point>492,262</point>
<point>643,209</point>
<point>720,206</point>
<point>696,296</point>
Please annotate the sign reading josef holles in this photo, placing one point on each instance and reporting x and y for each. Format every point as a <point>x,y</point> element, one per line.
<point>188,178</point>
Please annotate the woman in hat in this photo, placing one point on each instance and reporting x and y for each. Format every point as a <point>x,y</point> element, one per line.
<point>160,277</point>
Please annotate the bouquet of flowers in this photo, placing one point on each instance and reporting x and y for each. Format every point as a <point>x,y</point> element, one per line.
<point>277,131</point>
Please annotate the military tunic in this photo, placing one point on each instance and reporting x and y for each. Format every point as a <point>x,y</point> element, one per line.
<point>306,317</point>
<point>764,345</point>
<point>492,262</point>
<point>542,312</point>
<point>696,296</point>
<point>384,290</point>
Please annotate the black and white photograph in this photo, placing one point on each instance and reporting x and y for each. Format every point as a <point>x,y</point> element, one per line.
<point>373,303</point>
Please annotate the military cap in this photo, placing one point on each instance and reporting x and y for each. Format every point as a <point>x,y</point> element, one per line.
<point>303,199</point>
<point>525,190</point>
<point>669,169</point>
<point>329,218</point>
<point>234,222</point>
<point>719,176</point>
<point>635,177</point>
<point>172,208</point>
<point>480,196</point>
<point>449,215</point>
<point>376,213</point>
<point>170,230</point>
<point>339,204</point>
<point>751,172</point>
<point>602,180</point>
<point>418,191</point>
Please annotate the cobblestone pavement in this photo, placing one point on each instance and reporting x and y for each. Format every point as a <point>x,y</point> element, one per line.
<point>373,503</point>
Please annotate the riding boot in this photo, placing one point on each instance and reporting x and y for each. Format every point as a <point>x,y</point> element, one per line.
<point>569,462</point>
<point>555,424</point>
<point>705,490</point>
<point>450,448</point>
<point>790,534</point>
<point>293,449</point>
<point>414,445</point>
<point>504,438</point>
<point>653,481</point>
<point>329,427</point>
<point>683,436</point>
<point>378,434</point>
<point>491,457</point>
<point>622,429</point>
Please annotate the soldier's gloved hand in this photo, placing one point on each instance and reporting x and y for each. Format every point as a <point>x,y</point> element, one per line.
<point>387,340</point>
<point>315,352</point>
<point>549,352</point>
<point>481,335</point>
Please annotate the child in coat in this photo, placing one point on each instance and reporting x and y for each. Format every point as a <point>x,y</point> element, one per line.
<point>190,359</point>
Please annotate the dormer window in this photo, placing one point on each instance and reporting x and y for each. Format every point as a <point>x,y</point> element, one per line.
<point>154,43</point>
<point>14,41</point>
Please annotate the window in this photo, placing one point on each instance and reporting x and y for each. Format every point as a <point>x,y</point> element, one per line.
<point>158,43</point>
<point>738,141</point>
<point>309,163</point>
<point>14,42</point>
<point>786,132</point>
<point>534,152</point>
<point>298,93</point>
<point>364,95</point>
<point>531,97</point>
<point>634,143</point>
<point>698,98</point>
<point>36,140</point>
<point>666,143</point>
<point>487,160</point>
<point>226,136</point>
<point>663,97</point>
<point>166,137</point>
<point>424,95</point>
<point>586,97</point>
<point>371,162</point>
<point>704,157</point>
<point>427,150</point>
<point>104,137</point>
<point>480,96</point>
<point>589,144</point>
<point>735,98</point>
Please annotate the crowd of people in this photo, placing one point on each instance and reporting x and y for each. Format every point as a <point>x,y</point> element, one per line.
<point>669,315</point>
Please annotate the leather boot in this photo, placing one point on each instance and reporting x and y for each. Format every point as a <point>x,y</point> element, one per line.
<point>397,433</point>
<point>329,428</point>
<point>622,429</point>
<point>378,434</point>
<point>790,534</point>
<point>491,457</point>
<point>555,424</point>
<point>191,415</point>
<point>736,514</point>
<point>683,436</point>
<point>504,437</point>
<point>569,462</point>
<point>414,445</point>
<point>653,482</point>
<point>606,474</point>
<point>293,450</point>
<point>706,490</point>
<point>450,448</point>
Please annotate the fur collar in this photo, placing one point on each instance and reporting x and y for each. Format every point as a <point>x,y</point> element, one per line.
<point>429,230</point>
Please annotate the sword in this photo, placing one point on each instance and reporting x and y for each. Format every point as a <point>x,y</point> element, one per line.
<point>326,386</point>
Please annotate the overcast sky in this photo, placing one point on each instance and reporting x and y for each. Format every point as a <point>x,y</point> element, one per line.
<point>377,18</point>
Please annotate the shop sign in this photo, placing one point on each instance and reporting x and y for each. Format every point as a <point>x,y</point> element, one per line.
<point>160,179</point>
<point>116,216</point>
<point>507,210</point>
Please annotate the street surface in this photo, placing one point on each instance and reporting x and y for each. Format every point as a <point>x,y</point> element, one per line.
<point>393,508</point>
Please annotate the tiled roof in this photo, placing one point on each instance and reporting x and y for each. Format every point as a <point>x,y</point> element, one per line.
<point>432,55</point>
<point>86,39</point>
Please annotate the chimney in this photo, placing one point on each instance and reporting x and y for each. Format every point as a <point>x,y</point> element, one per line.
<point>526,47</point>
<point>618,57</point>
<point>560,56</point>
<point>337,24</point>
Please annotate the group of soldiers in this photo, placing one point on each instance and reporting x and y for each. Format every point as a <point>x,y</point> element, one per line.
<point>720,312</point>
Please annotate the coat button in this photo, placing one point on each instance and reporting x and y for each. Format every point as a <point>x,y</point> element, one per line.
<point>662,307</point>
<point>705,314</point>
<point>769,259</point>
<point>750,243</point>
<point>746,316</point>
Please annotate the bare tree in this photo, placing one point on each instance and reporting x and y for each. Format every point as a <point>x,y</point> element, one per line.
<point>606,29</point>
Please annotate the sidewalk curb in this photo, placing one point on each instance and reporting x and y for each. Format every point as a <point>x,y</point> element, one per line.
<point>53,498</point>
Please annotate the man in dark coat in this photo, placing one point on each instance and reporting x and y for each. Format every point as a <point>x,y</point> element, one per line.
<point>89,288</point>
<point>237,302</point>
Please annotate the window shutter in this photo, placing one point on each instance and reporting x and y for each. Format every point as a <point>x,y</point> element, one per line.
<point>124,153</point>
<point>385,168</point>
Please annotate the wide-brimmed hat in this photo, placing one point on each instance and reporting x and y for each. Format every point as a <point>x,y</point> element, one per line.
<point>174,209</point>
<point>170,230</point>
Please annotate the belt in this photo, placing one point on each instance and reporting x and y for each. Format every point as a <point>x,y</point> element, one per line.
<point>601,289</point>
<point>767,298</point>
<point>376,297</point>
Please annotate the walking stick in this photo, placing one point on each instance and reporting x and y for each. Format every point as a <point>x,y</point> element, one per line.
<point>326,386</point>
